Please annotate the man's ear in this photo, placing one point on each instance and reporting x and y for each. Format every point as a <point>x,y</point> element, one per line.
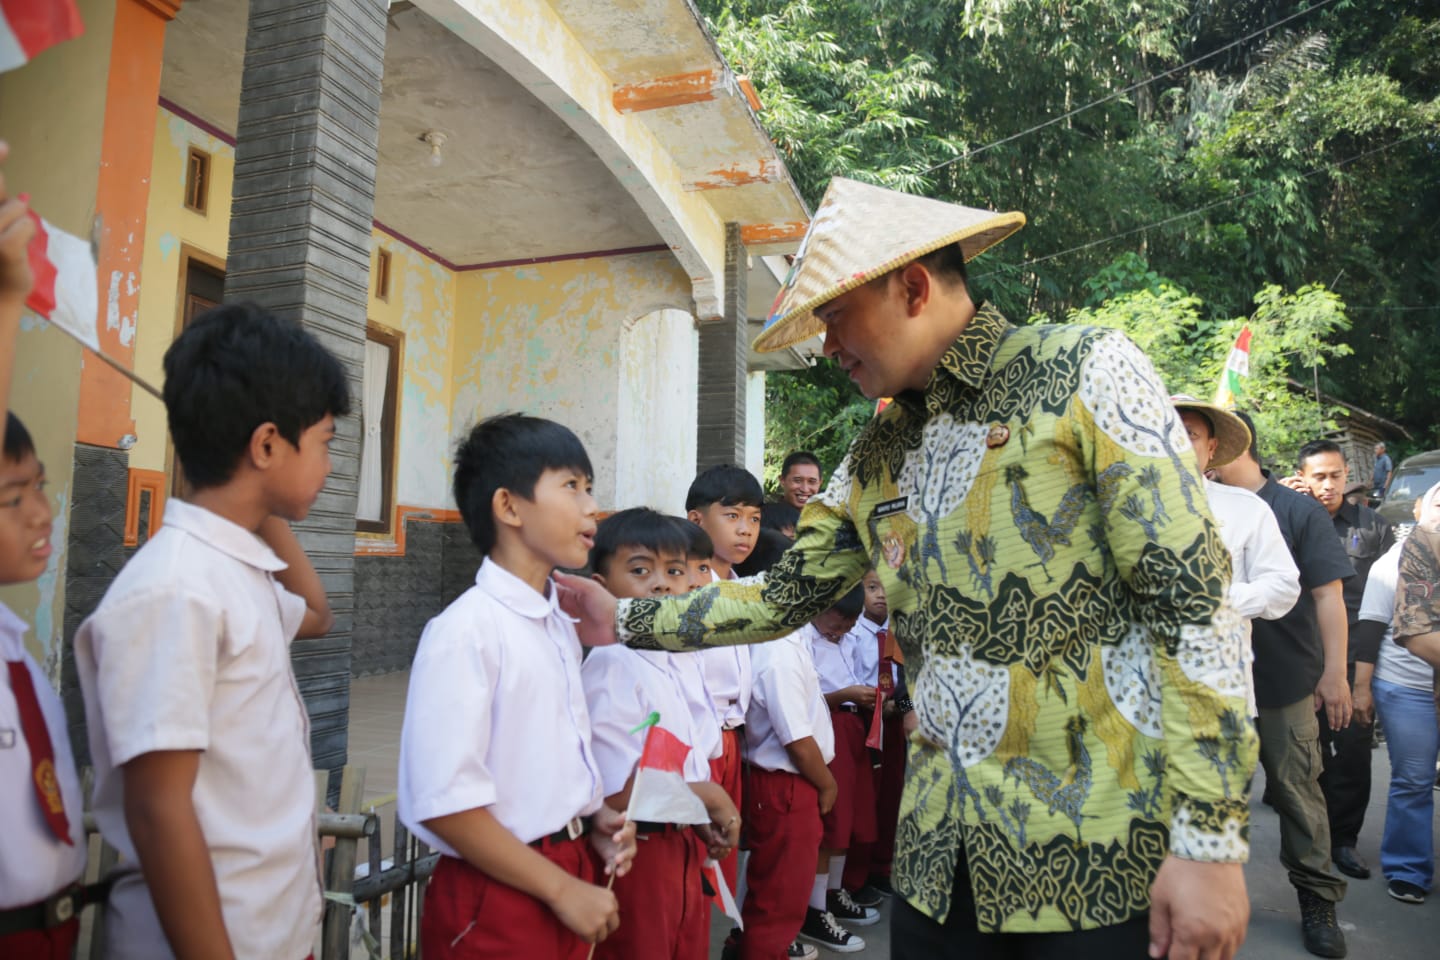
<point>502,507</point>
<point>264,441</point>
<point>918,287</point>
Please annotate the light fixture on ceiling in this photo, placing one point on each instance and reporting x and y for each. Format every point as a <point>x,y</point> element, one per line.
<point>436,140</point>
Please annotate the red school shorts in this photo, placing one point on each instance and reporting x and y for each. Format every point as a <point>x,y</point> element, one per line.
<point>664,913</point>
<point>782,833</point>
<point>852,819</point>
<point>726,771</point>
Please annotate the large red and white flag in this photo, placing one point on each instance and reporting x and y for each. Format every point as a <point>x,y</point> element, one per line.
<point>65,290</point>
<point>28,27</point>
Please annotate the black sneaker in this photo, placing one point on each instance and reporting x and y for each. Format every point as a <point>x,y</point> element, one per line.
<point>801,951</point>
<point>880,885</point>
<point>843,908</point>
<point>1405,891</point>
<point>867,896</point>
<point>1323,936</point>
<point>730,950</point>
<point>822,928</point>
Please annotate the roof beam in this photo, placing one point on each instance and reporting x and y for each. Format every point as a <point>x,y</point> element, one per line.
<point>762,170</point>
<point>676,90</point>
<point>760,234</point>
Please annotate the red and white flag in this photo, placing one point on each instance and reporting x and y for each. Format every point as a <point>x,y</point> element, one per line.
<point>28,27</point>
<point>1237,369</point>
<point>660,793</point>
<point>65,291</point>
<point>723,898</point>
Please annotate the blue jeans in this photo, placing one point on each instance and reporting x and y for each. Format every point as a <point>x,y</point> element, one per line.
<point>1407,849</point>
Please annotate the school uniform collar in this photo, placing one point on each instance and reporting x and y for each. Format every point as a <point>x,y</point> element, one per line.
<point>229,538</point>
<point>870,626</point>
<point>12,634</point>
<point>967,361</point>
<point>515,593</point>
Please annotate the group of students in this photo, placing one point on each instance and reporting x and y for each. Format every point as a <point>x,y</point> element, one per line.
<point>777,734</point>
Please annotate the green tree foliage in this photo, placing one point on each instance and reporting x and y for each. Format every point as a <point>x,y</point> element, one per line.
<point>1305,157</point>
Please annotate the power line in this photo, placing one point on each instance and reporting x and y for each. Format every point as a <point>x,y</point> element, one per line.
<point>1209,206</point>
<point>1381,306</point>
<point>1122,92</point>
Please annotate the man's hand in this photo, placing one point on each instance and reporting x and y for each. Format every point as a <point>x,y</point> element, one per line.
<point>1198,911</point>
<point>592,913</point>
<point>911,722</point>
<point>1333,694</point>
<point>1363,704</point>
<point>614,840</point>
<point>16,229</point>
<point>591,605</point>
<point>1297,484</point>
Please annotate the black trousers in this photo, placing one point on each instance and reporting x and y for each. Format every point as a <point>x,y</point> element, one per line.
<point>914,936</point>
<point>1346,777</point>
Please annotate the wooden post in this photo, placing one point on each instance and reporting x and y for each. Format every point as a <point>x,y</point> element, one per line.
<point>335,932</point>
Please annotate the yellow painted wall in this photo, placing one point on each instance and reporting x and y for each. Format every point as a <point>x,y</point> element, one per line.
<point>545,340</point>
<point>52,114</point>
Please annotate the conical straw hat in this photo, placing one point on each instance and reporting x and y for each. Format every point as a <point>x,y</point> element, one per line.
<point>862,232</point>
<point>1232,437</point>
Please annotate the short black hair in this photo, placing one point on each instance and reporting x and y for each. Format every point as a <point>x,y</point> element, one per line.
<point>509,451</point>
<point>700,546</point>
<point>1254,434</point>
<point>770,546</point>
<point>852,603</point>
<point>947,263</point>
<point>636,527</point>
<point>799,457</point>
<point>18,443</point>
<point>1316,447</point>
<point>727,485</point>
<point>235,367</point>
<point>777,516</point>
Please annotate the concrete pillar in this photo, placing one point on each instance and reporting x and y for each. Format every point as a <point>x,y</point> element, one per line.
<point>304,198</point>
<point>724,353</point>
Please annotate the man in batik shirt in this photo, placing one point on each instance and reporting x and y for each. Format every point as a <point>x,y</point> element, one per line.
<point>1032,505</point>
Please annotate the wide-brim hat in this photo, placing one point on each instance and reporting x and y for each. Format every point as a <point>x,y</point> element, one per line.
<point>861,232</point>
<point>1232,437</point>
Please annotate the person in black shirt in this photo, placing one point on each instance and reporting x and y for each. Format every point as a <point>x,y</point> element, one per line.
<point>1364,535</point>
<point>1300,665</point>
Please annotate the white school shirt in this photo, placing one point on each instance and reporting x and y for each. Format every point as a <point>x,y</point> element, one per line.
<point>690,668</point>
<point>190,650</point>
<point>33,863</point>
<point>865,652</point>
<point>786,705</point>
<point>1396,664</point>
<point>622,688</point>
<point>1264,580</point>
<point>834,662</point>
<point>496,714</point>
<point>729,677</point>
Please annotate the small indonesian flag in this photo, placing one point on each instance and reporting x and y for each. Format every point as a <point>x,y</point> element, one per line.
<point>660,793</point>
<point>29,26</point>
<point>881,404</point>
<point>723,898</point>
<point>65,286</point>
<point>1236,367</point>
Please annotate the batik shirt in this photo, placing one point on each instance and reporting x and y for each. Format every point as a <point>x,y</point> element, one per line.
<point>1057,585</point>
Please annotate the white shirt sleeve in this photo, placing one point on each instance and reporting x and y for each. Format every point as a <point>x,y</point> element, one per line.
<point>292,611</point>
<point>156,657</point>
<point>790,699</point>
<point>1266,582</point>
<point>448,727</point>
<point>614,699</point>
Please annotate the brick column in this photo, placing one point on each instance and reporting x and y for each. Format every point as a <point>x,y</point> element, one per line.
<point>304,198</point>
<point>724,356</point>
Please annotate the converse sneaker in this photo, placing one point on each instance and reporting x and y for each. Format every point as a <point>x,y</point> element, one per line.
<point>801,951</point>
<point>843,907</point>
<point>823,929</point>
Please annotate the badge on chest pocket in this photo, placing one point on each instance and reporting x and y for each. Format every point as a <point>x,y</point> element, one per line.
<point>893,530</point>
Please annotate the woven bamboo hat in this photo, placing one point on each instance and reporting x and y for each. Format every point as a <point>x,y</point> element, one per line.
<point>1232,437</point>
<point>862,232</point>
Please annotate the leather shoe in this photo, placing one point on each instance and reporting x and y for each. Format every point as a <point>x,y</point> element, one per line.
<point>1347,861</point>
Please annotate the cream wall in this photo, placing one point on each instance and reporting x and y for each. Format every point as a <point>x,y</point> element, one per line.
<point>546,340</point>
<point>52,114</point>
<point>656,412</point>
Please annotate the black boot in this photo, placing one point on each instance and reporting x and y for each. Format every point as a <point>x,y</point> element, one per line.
<point>1323,936</point>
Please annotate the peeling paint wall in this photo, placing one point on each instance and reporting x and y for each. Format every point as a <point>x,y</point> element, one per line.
<point>546,339</point>
<point>656,412</point>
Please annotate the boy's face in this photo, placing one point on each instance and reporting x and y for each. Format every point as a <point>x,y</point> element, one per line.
<point>24,520</point>
<point>732,529</point>
<point>558,522</point>
<point>296,475</point>
<point>636,571</point>
<point>699,568</point>
<point>800,484</point>
<point>833,625</point>
<point>876,607</point>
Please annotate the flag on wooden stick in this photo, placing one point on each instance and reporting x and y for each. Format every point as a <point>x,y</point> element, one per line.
<point>28,27</point>
<point>1237,368</point>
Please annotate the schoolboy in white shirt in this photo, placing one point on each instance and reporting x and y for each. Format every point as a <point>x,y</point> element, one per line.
<point>725,502</point>
<point>199,737</point>
<point>496,766</point>
<point>641,553</point>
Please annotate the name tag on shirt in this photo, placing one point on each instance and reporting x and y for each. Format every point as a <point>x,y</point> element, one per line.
<point>890,508</point>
